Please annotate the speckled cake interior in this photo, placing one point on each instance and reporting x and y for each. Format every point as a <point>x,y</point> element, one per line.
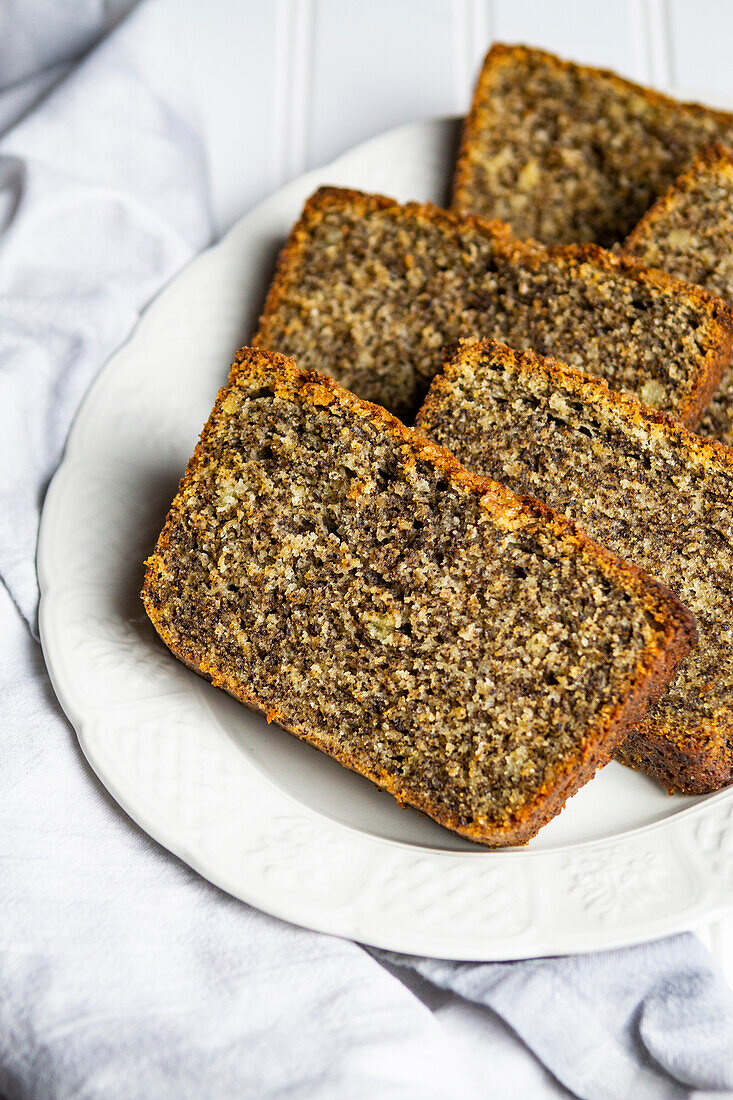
<point>369,292</point>
<point>325,564</point>
<point>643,486</point>
<point>689,233</point>
<point>567,153</point>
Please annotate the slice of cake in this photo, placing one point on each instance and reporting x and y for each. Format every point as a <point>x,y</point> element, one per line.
<point>472,653</point>
<point>567,153</point>
<point>689,233</point>
<point>642,485</point>
<point>368,291</point>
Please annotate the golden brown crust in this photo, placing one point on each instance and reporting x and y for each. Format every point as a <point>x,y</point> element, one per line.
<point>713,156</point>
<point>698,761</point>
<point>586,386</point>
<point>579,259</point>
<point>507,53</point>
<point>499,54</point>
<point>654,670</point>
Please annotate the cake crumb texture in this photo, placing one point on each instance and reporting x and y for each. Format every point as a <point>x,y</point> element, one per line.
<point>369,292</point>
<point>688,232</point>
<point>564,152</point>
<point>471,652</point>
<point>642,485</point>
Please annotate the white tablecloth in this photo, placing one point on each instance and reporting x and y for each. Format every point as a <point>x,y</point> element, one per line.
<point>122,974</point>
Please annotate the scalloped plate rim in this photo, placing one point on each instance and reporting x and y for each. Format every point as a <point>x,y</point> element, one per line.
<point>537,941</point>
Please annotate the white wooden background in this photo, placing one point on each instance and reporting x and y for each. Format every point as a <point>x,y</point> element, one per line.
<point>307,79</point>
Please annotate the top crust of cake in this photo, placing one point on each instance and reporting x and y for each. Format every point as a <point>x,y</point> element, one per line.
<point>565,152</point>
<point>334,569</point>
<point>369,291</point>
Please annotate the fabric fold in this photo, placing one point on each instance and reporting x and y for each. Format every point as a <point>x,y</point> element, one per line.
<point>103,197</point>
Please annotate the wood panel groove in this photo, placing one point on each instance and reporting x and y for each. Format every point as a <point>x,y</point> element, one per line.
<point>293,86</point>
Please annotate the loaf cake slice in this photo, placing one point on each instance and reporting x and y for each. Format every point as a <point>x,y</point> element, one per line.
<point>642,485</point>
<point>688,232</point>
<point>368,291</point>
<point>472,653</point>
<point>568,153</point>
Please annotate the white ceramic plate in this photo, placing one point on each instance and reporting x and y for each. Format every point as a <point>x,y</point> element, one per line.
<point>264,816</point>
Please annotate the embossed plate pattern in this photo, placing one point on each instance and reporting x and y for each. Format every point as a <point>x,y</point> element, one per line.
<point>265,817</point>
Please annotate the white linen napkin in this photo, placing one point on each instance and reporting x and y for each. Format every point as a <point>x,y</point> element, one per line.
<point>122,974</point>
<point>605,1024</point>
<point>103,196</point>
